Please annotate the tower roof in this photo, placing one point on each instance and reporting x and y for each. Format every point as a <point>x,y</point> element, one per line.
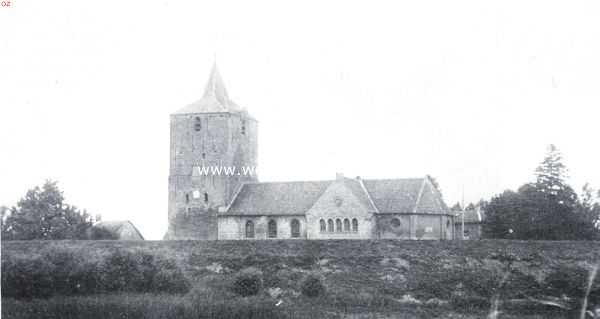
<point>215,98</point>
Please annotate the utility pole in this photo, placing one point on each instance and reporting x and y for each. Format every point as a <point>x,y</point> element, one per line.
<point>462,226</point>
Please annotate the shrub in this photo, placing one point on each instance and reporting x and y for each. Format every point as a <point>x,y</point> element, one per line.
<point>27,278</point>
<point>312,285</point>
<point>65,266</point>
<point>169,278</point>
<point>122,271</point>
<point>64,272</point>
<point>248,282</point>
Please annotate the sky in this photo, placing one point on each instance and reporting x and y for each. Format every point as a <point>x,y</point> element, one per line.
<point>470,92</point>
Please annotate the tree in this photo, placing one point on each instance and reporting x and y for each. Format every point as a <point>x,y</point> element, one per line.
<point>545,209</point>
<point>550,178</point>
<point>43,214</point>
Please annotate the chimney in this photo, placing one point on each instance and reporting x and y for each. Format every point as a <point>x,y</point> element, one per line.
<point>358,178</point>
<point>339,176</point>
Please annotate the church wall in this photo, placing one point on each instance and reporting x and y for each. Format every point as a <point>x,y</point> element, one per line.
<point>338,202</point>
<point>428,227</point>
<point>388,229</point>
<point>234,227</point>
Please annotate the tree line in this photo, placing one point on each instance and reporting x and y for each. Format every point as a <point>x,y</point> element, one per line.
<point>545,209</point>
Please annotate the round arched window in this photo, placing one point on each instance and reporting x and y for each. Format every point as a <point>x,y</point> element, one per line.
<point>395,222</point>
<point>295,228</point>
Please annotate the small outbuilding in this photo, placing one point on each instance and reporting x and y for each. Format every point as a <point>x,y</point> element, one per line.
<point>468,223</point>
<point>115,230</point>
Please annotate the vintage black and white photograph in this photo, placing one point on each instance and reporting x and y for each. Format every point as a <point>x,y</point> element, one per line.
<point>300,159</point>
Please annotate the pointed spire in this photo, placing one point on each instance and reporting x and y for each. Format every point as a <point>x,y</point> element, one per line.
<point>215,86</point>
<point>215,98</point>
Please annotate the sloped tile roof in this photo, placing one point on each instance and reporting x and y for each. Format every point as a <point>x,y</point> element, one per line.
<point>357,190</point>
<point>277,198</point>
<point>394,195</point>
<point>120,228</point>
<point>471,216</point>
<point>411,195</point>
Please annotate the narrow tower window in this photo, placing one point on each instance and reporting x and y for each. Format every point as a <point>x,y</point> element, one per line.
<point>187,198</point>
<point>243,127</point>
<point>206,197</point>
<point>197,124</point>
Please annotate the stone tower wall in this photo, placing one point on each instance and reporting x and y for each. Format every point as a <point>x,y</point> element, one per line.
<point>223,140</point>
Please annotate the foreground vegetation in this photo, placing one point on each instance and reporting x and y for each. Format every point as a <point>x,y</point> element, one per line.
<point>295,279</point>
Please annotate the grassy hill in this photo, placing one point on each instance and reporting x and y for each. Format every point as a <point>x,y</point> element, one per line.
<point>415,278</point>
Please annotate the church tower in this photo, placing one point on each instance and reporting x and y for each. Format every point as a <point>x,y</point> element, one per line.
<point>213,147</point>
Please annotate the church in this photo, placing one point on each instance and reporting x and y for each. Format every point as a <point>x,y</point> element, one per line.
<point>209,205</point>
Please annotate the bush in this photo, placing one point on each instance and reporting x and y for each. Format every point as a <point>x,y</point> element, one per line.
<point>169,278</point>
<point>27,278</point>
<point>122,271</point>
<point>312,285</point>
<point>248,282</point>
<point>63,272</point>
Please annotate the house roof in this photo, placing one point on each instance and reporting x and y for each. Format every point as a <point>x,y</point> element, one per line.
<point>215,98</point>
<point>277,198</point>
<point>414,195</point>
<point>471,216</point>
<point>118,227</point>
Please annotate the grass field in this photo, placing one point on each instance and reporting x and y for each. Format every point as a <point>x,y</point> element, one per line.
<point>363,279</point>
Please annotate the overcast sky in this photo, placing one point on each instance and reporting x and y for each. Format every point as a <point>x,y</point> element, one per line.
<point>468,92</point>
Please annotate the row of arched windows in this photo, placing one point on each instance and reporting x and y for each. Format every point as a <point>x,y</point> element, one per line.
<point>339,226</point>
<point>272,228</point>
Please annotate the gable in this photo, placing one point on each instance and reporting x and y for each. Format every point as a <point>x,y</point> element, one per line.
<point>404,196</point>
<point>394,195</point>
<point>343,197</point>
<point>430,201</point>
